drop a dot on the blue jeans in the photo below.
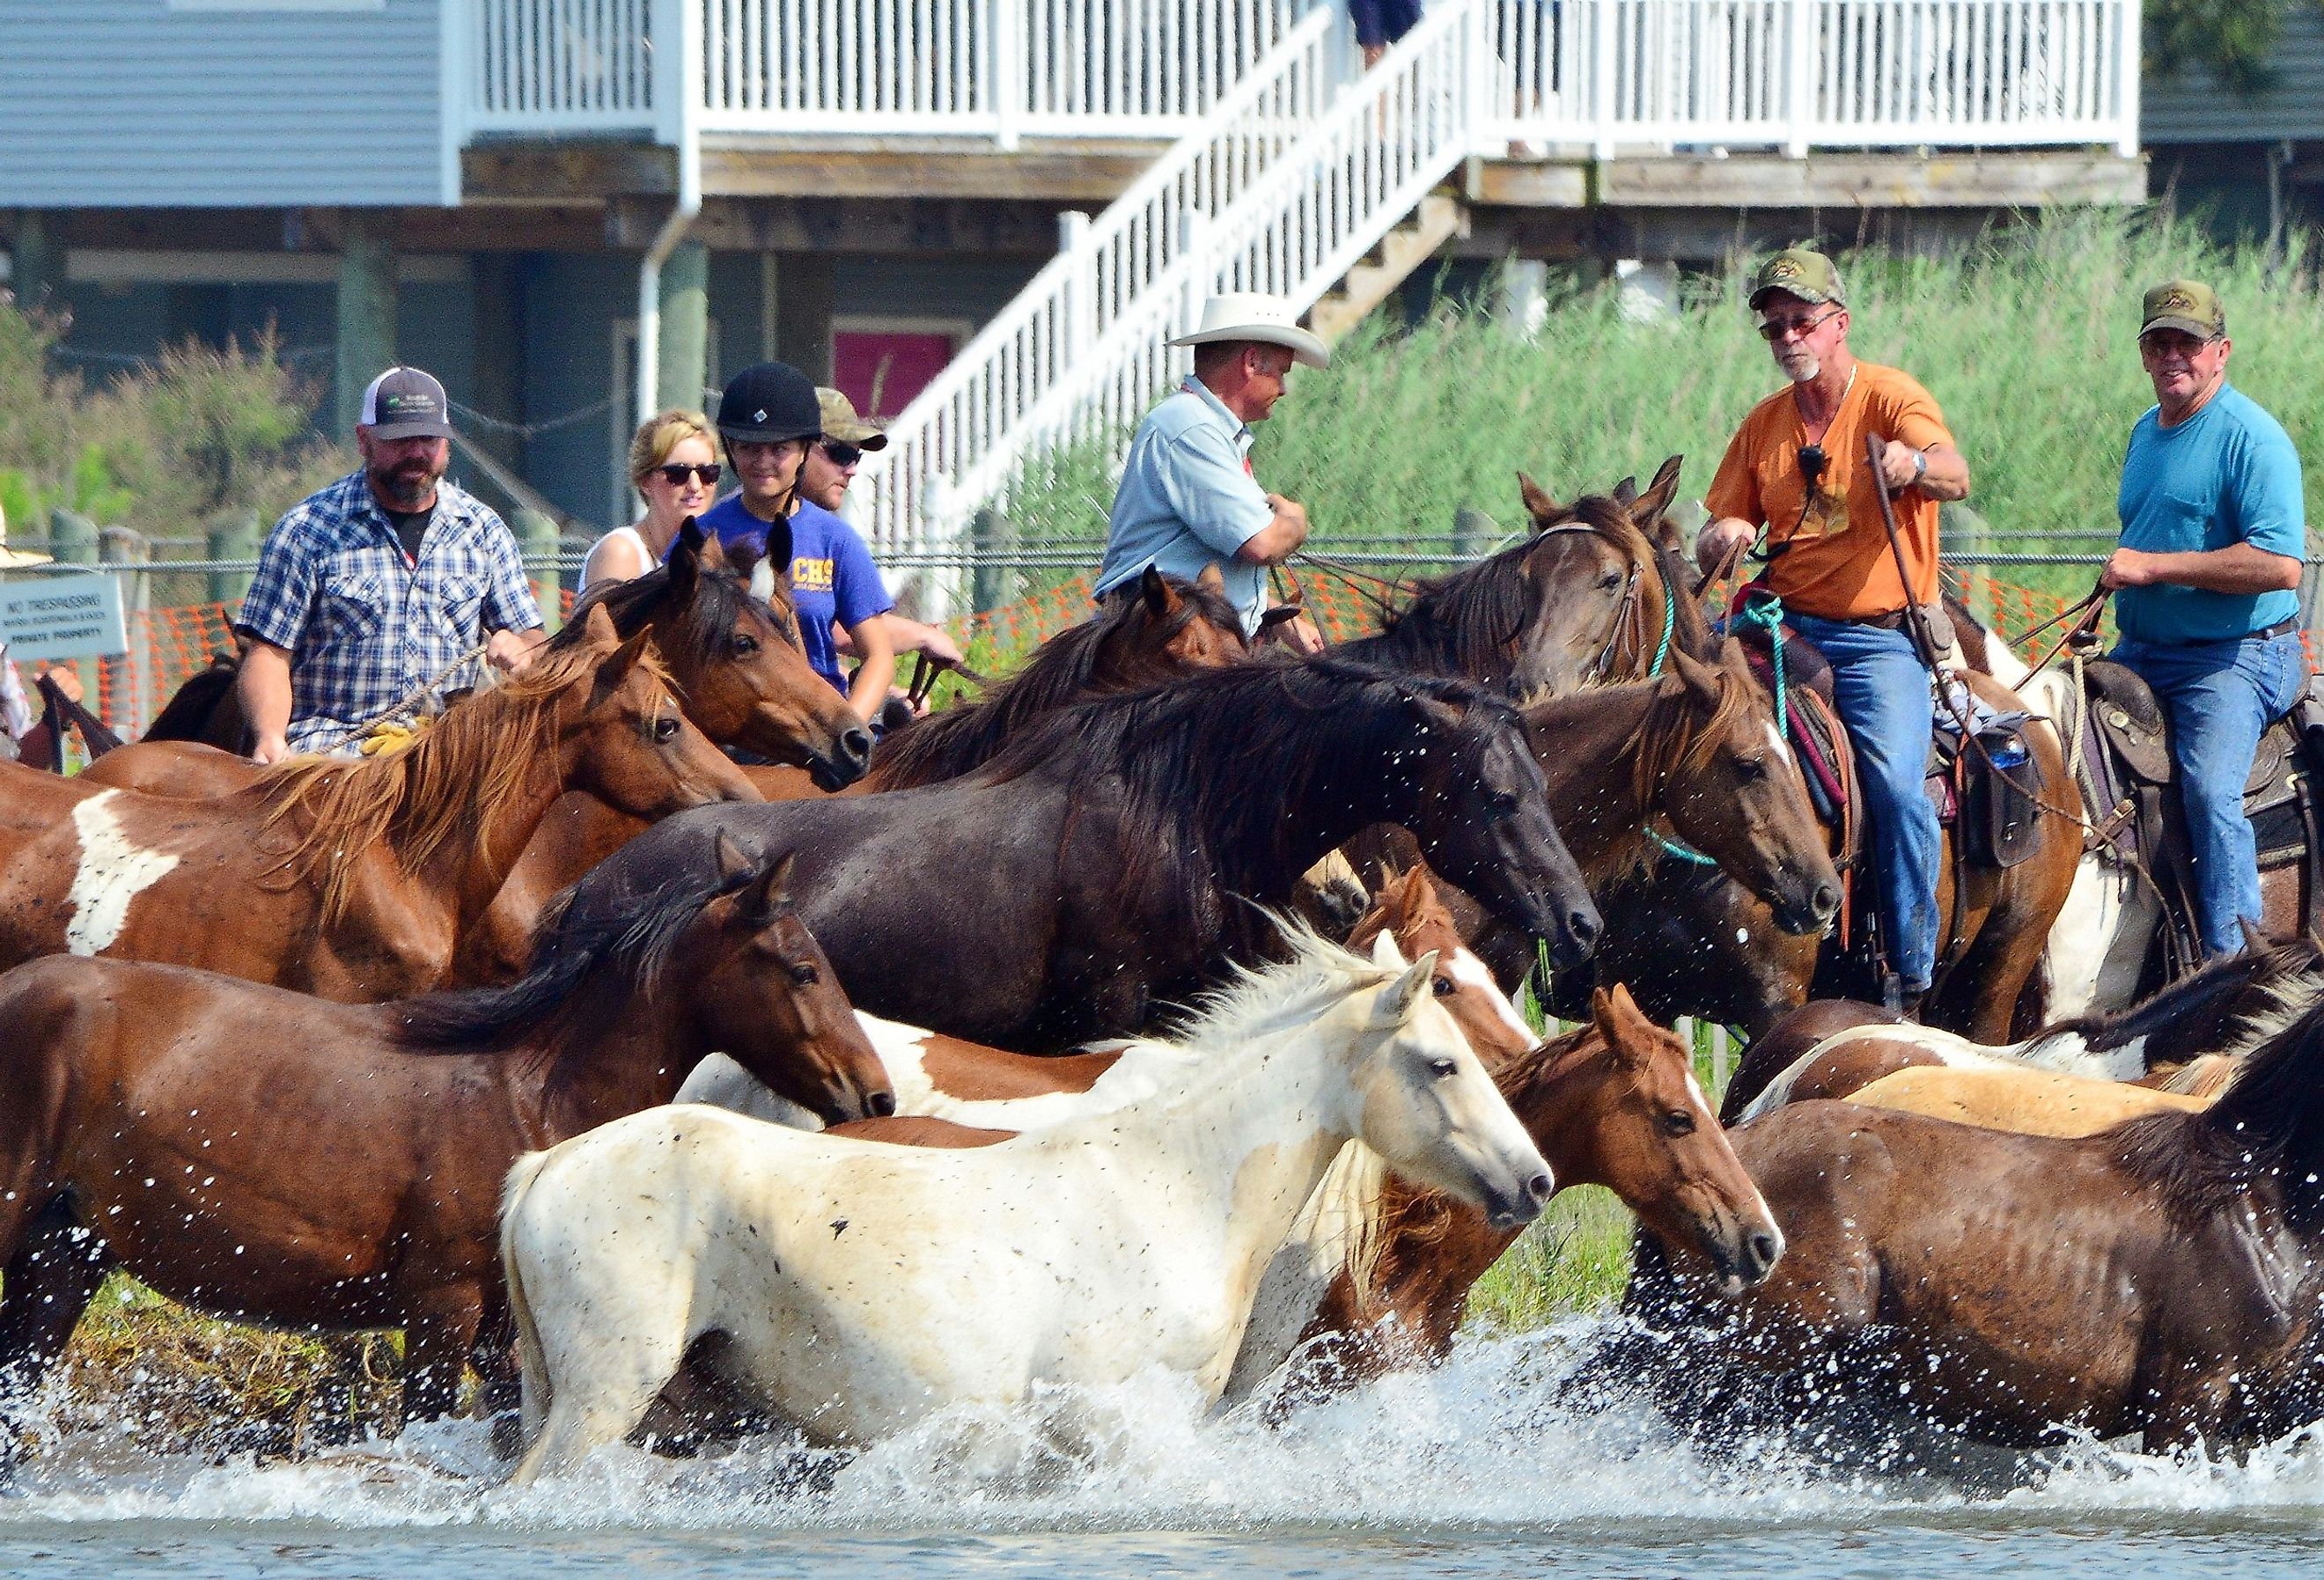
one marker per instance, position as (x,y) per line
(2219,697)
(1883,696)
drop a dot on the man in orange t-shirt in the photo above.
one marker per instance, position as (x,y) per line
(1797,472)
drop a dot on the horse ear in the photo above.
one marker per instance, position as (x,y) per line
(1159,599)
(1537,503)
(1702,679)
(1212,577)
(1433,713)
(1626,492)
(1648,512)
(1401,1000)
(598,627)
(2255,941)
(733,859)
(615,668)
(685,561)
(712,553)
(1617,1018)
(1384,954)
(772,891)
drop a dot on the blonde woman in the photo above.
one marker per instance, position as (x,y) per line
(674,464)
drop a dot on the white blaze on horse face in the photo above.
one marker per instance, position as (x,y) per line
(112,873)
(1775,739)
(1469,972)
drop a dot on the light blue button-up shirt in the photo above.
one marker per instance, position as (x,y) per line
(1187,500)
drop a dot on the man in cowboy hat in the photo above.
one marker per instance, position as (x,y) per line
(1796,472)
(2213,529)
(1187,499)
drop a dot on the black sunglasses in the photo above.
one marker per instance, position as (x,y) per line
(676,475)
(1776,329)
(842,454)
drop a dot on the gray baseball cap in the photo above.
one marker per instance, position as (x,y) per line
(403,403)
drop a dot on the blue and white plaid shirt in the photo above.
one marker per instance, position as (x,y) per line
(365,627)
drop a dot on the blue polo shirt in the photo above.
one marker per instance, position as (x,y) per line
(2227,475)
(831,572)
(1188,500)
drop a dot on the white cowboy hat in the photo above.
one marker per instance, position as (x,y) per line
(1242,315)
(16,558)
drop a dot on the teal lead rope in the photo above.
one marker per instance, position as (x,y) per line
(1768,614)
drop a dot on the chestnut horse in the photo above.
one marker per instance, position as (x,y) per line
(1832,1047)
(2165,1277)
(273,1158)
(736,659)
(353,880)
(1173,627)
(1098,869)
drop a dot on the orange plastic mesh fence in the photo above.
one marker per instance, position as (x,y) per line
(169,645)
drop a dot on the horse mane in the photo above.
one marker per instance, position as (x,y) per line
(448,784)
(1670,738)
(1289,728)
(2289,977)
(2269,1123)
(627,954)
(699,629)
(1063,670)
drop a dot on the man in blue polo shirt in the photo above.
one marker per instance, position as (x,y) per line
(1187,499)
(2213,531)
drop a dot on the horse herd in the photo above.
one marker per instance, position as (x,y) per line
(521,1039)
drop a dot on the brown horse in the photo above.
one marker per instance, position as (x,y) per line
(2165,1277)
(1833,1047)
(270,1157)
(1174,627)
(736,659)
(355,880)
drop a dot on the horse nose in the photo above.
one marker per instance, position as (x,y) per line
(1541,1186)
(854,748)
(882,1103)
(1582,924)
(1766,1247)
(1826,901)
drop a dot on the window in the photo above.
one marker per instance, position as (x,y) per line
(881,364)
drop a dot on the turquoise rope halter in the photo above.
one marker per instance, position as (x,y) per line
(1768,614)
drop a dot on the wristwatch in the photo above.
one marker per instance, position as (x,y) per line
(1920,465)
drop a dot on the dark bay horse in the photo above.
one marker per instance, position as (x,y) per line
(1174,627)
(2165,1277)
(273,1158)
(1099,867)
(355,880)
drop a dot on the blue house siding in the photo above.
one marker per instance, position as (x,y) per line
(2189,108)
(129,104)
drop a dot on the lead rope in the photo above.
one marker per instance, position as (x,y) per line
(1661,651)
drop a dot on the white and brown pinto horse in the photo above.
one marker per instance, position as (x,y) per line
(1082,1255)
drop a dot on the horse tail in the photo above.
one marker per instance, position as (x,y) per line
(531,1361)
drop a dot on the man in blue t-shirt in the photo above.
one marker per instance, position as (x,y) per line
(2213,531)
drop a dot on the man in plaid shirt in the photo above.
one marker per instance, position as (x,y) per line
(374,589)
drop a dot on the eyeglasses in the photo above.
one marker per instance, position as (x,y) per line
(1778,328)
(842,454)
(676,475)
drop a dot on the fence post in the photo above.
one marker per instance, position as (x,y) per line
(1081,291)
(1472,532)
(238,538)
(1967,536)
(1799,95)
(1606,24)
(1191,249)
(992,538)
(132,672)
(537,536)
(1011,85)
(72,539)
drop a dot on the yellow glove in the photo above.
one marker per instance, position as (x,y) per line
(388,737)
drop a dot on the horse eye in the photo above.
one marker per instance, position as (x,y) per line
(1609,581)
(665,729)
(745,644)
(1501,803)
(1752,767)
(1442,986)
(1678,1122)
(1442,1068)
(803,976)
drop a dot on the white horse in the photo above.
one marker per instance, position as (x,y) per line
(859,1287)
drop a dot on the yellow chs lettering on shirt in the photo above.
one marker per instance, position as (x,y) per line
(810,576)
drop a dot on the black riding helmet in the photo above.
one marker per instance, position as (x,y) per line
(768,403)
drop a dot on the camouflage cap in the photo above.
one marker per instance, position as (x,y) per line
(2185,305)
(841,423)
(1800,271)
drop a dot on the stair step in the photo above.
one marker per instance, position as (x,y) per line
(1439,217)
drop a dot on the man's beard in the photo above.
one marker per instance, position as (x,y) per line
(1803,372)
(404,487)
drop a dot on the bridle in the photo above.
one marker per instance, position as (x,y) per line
(1630,619)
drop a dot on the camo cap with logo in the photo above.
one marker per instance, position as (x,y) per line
(2188,306)
(1800,271)
(405,403)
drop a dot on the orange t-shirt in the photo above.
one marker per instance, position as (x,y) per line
(1838,565)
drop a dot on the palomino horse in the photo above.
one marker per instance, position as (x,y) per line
(2030,1103)
(1696,749)
(2164,1278)
(1098,869)
(1833,1047)
(273,1158)
(1077,1256)
(1173,627)
(355,880)
(735,661)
